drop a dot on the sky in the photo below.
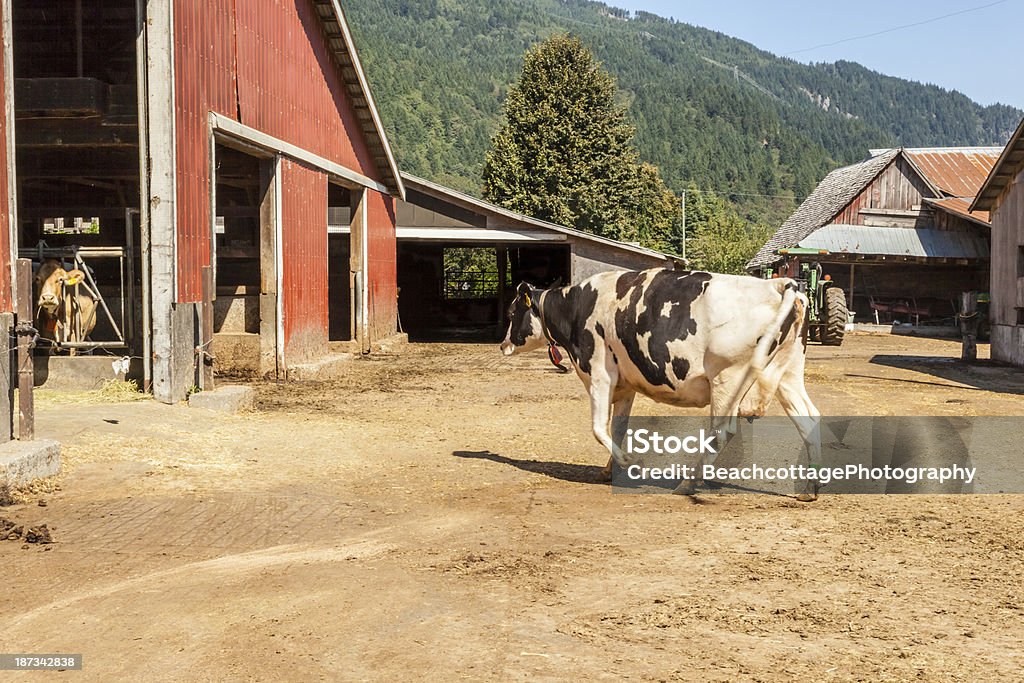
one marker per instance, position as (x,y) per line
(976,52)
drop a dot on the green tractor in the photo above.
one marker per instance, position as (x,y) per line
(828,313)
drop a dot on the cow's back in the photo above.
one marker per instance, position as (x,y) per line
(667,331)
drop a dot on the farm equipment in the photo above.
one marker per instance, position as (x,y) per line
(828,313)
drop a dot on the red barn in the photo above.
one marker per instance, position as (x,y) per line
(189,153)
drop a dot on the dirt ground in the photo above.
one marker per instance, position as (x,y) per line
(434,516)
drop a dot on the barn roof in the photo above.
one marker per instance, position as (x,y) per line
(900,242)
(953,174)
(823,204)
(339,37)
(480,206)
(959,206)
(953,171)
(1005,169)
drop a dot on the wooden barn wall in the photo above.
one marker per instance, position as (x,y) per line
(1007,238)
(6,298)
(382,264)
(896,187)
(268,65)
(304,255)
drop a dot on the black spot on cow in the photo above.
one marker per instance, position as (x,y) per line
(628,281)
(566,312)
(678,289)
(600,330)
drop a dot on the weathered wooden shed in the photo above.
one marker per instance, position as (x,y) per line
(188,151)
(459,258)
(1002,195)
(896,231)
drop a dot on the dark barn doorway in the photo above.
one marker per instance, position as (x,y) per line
(77,158)
(461,292)
(340,320)
(245,307)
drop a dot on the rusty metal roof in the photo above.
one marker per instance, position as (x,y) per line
(1005,170)
(340,39)
(958,206)
(954,171)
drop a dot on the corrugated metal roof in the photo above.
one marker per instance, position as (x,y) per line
(961,207)
(954,171)
(1004,171)
(478,205)
(829,198)
(916,242)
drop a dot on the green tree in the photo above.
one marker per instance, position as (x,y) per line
(566,154)
(719,239)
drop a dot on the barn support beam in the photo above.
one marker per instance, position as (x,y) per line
(359,281)
(160,194)
(12,174)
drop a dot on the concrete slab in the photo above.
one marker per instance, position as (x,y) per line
(229,399)
(21,462)
(72,373)
(329,367)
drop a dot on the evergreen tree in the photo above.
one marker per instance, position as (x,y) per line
(566,154)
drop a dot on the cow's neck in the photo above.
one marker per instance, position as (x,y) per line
(558,324)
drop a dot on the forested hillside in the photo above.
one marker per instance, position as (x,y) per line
(712,112)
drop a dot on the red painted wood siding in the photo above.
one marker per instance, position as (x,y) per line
(268,65)
(304,252)
(382,264)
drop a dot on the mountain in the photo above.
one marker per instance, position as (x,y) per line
(714,113)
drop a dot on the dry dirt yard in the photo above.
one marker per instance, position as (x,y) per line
(434,516)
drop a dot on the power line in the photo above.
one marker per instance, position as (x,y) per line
(897,28)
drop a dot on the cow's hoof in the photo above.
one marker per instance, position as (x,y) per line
(807,497)
(604,476)
(687,487)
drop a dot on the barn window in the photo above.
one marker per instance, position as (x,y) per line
(470,273)
(1020,261)
(1020,316)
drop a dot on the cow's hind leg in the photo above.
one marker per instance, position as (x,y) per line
(798,406)
(621,408)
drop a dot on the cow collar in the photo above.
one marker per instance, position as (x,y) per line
(553,353)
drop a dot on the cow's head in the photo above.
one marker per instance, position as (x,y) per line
(525,331)
(49,278)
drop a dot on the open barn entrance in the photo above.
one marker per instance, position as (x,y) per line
(245,308)
(77,170)
(461,292)
(340,318)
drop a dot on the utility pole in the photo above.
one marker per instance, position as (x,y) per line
(684,224)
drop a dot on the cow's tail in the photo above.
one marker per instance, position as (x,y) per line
(792,303)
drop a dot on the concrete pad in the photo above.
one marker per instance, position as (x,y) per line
(230,399)
(72,373)
(21,462)
(329,367)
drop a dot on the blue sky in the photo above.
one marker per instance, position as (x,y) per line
(978,53)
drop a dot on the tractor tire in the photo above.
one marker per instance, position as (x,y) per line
(836,317)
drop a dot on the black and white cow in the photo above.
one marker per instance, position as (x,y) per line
(688,339)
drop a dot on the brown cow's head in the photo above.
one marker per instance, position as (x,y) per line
(49,278)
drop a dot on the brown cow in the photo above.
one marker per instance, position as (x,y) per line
(66,307)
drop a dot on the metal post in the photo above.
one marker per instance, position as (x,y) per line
(849,301)
(206,333)
(26,340)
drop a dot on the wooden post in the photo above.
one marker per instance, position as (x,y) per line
(849,299)
(206,335)
(502,275)
(969,321)
(26,340)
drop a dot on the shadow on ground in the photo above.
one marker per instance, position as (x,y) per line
(580,474)
(983,374)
